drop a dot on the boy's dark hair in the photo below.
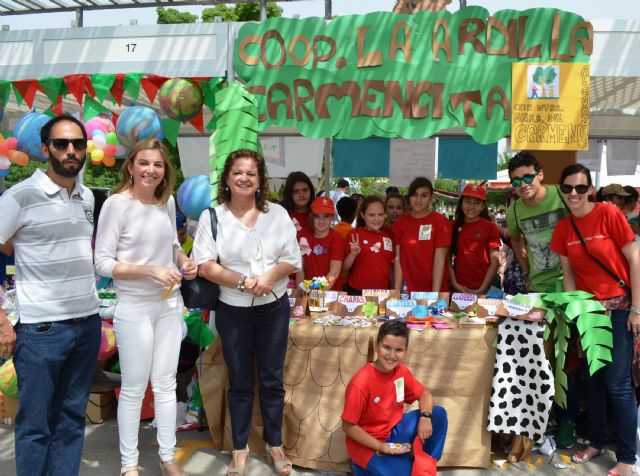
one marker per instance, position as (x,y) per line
(633,195)
(346,207)
(45,131)
(523,159)
(393,328)
(342,183)
(392,189)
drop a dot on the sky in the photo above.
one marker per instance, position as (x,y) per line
(589,9)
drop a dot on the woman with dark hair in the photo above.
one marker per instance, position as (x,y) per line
(423,237)
(137,245)
(254,251)
(599,231)
(298,195)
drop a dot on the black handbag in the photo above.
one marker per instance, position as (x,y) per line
(200,292)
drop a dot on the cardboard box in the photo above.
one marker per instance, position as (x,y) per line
(400,308)
(463,302)
(101,407)
(354,306)
(8,409)
(383,295)
(521,311)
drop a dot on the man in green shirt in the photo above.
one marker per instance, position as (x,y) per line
(531,220)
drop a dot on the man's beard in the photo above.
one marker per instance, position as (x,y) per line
(61,170)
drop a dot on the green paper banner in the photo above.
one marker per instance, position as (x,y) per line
(171,128)
(132,84)
(102,84)
(53,87)
(5,92)
(92,108)
(399,75)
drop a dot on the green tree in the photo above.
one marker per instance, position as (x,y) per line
(241,12)
(171,15)
(544,76)
(223,11)
(18,174)
(101,176)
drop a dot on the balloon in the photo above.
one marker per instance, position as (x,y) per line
(90,146)
(99,141)
(109,149)
(107,342)
(180,99)
(112,138)
(5,163)
(97,155)
(11,142)
(194,195)
(96,162)
(18,158)
(109,160)
(4,150)
(100,124)
(27,132)
(4,173)
(8,379)
(137,123)
(121,151)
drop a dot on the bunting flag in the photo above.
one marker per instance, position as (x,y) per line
(53,87)
(78,84)
(102,84)
(5,92)
(171,128)
(92,108)
(57,108)
(117,89)
(198,121)
(151,84)
(27,89)
(132,84)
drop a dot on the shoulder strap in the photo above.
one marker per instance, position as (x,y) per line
(619,281)
(214,223)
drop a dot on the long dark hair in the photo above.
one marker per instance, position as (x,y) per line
(292,179)
(364,204)
(459,221)
(224,194)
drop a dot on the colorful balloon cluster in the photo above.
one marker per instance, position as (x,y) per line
(103,147)
(9,154)
(8,379)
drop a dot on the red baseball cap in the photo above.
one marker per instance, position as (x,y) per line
(475,191)
(323,205)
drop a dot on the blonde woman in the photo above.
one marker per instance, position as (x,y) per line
(137,245)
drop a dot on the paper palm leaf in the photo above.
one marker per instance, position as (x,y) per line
(236,122)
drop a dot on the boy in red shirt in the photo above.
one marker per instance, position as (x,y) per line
(380,437)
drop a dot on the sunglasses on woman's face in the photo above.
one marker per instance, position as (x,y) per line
(580,189)
(63,144)
(526,178)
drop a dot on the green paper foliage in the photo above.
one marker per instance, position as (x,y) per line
(302,59)
(197,330)
(236,115)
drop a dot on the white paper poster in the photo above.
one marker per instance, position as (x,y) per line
(622,156)
(410,159)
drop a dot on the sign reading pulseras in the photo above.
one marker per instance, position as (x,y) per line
(398,75)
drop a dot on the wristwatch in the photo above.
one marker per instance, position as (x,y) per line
(426,415)
(241,281)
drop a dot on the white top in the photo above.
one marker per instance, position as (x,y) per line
(51,235)
(132,232)
(250,251)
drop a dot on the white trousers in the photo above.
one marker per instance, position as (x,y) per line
(148,334)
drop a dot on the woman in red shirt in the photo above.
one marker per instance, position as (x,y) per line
(474,245)
(608,238)
(423,237)
(368,250)
(323,248)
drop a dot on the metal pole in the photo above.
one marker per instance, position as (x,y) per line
(79,22)
(263,10)
(463,3)
(327,141)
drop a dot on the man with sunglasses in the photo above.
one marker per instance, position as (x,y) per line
(531,220)
(49,218)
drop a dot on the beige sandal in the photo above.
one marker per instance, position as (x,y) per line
(239,470)
(130,469)
(279,465)
(171,468)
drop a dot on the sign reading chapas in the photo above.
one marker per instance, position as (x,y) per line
(399,75)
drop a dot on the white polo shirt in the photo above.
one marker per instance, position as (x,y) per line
(51,236)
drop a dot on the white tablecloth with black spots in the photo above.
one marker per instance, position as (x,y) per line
(523,386)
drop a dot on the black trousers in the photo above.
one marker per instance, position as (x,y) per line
(250,337)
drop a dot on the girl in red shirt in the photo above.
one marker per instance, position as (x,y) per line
(323,248)
(608,238)
(368,250)
(298,195)
(423,237)
(475,243)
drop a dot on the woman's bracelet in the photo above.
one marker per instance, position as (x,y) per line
(241,281)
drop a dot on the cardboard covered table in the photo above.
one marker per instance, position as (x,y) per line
(456,366)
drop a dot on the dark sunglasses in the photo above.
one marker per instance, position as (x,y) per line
(63,144)
(580,189)
(526,178)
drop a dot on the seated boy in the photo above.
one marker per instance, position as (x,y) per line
(380,437)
